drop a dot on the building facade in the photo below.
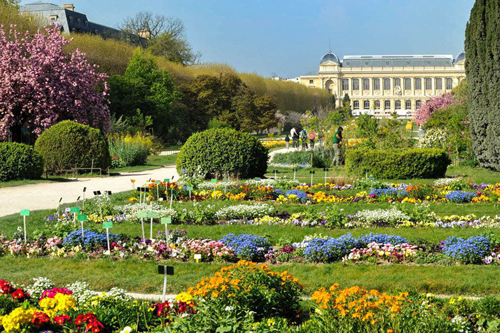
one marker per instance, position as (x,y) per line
(382,85)
(71,21)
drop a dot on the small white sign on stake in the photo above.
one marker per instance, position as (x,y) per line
(24,213)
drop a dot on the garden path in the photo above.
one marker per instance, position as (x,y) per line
(47,195)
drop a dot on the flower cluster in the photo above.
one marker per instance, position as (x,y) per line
(247,247)
(89,239)
(460,196)
(244,211)
(385,252)
(467,250)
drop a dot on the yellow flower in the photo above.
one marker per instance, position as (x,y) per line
(184,297)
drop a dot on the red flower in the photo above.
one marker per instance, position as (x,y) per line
(62,319)
(115,157)
(79,320)
(19,294)
(40,319)
(5,287)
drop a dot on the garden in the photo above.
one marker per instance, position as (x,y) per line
(261,249)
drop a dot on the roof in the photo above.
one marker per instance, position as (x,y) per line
(397,61)
(39,6)
(329,57)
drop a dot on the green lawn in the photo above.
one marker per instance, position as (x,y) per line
(141,276)
(20,182)
(153,162)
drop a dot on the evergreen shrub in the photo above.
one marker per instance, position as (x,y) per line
(19,161)
(69,145)
(398,163)
(221,152)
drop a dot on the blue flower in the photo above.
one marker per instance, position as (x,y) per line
(247,247)
(460,196)
(467,250)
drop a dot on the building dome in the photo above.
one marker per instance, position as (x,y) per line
(460,57)
(329,57)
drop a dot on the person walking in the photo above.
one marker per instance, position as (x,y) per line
(337,141)
(312,137)
(295,137)
(303,138)
(287,140)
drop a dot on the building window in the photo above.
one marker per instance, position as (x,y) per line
(86,23)
(78,21)
(311,81)
(53,18)
(366,84)
(70,19)
(387,84)
(366,105)
(428,83)
(387,105)
(397,82)
(376,84)
(418,104)
(355,84)
(449,83)
(377,104)
(418,83)
(439,83)
(345,84)
(355,105)
(398,105)
(407,83)
(408,105)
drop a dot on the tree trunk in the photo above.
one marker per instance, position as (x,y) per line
(17,134)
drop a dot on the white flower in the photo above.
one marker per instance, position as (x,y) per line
(229,308)
(126,330)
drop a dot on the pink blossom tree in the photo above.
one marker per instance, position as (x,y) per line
(427,109)
(41,85)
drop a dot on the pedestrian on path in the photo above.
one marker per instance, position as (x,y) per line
(337,141)
(312,137)
(287,140)
(295,137)
(303,139)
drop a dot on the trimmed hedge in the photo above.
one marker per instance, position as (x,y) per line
(221,151)
(398,163)
(19,161)
(69,145)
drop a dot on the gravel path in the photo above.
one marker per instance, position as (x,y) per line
(47,195)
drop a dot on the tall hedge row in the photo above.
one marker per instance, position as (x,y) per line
(222,151)
(398,163)
(482,66)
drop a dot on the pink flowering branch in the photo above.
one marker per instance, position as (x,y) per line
(427,109)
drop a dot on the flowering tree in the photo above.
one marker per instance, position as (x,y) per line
(41,85)
(439,102)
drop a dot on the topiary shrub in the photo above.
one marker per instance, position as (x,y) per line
(222,151)
(398,163)
(69,145)
(19,161)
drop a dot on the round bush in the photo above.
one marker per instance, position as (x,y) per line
(19,161)
(222,151)
(69,145)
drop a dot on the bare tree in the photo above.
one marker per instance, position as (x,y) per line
(166,36)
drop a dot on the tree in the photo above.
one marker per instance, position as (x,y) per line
(426,110)
(146,88)
(482,47)
(41,85)
(166,36)
(346,100)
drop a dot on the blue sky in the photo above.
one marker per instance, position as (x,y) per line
(288,38)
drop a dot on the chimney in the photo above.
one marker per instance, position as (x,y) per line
(69,6)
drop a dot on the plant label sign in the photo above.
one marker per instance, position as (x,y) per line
(152,214)
(74,210)
(197,257)
(166,180)
(107,225)
(167,270)
(157,181)
(257,179)
(82,218)
(166,220)
(214,181)
(142,215)
(25,212)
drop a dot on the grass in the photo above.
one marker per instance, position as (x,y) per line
(335,174)
(141,276)
(20,182)
(153,162)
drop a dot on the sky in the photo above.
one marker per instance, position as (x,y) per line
(288,37)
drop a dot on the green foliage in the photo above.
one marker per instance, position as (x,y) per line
(129,150)
(398,163)
(146,88)
(219,152)
(19,161)
(482,47)
(69,145)
(300,158)
(215,123)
